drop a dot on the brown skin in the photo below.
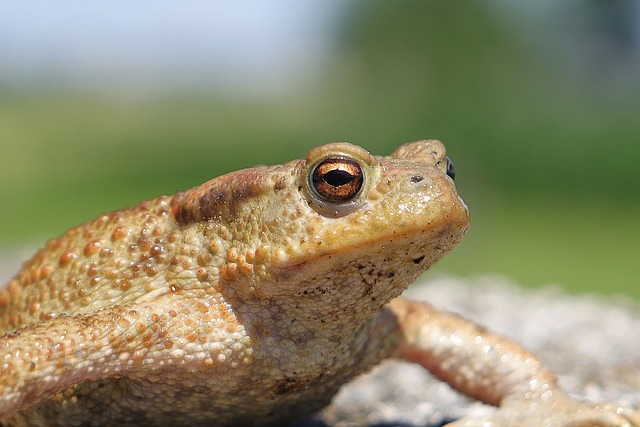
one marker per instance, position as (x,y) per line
(251,298)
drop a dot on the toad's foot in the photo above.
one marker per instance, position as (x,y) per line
(494,370)
(557,410)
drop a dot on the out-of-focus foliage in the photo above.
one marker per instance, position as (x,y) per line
(526,121)
(547,152)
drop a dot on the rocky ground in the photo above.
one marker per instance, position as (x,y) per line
(590,342)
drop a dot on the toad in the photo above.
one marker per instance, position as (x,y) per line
(250,299)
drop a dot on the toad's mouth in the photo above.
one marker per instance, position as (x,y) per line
(386,239)
(395,254)
(375,272)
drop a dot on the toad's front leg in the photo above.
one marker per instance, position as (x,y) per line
(494,370)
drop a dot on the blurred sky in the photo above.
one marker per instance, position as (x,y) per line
(258,46)
(246,46)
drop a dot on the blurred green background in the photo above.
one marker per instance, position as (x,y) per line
(539,107)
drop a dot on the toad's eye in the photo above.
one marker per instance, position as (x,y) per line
(451,170)
(337,180)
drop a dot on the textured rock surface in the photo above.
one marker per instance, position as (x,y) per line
(590,342)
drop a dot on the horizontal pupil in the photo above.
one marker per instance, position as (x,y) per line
(337,177)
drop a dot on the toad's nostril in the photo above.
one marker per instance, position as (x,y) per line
(416,178)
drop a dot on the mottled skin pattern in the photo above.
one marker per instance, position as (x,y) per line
(251,298)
